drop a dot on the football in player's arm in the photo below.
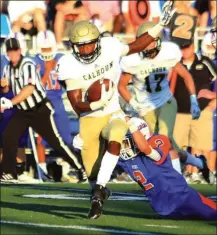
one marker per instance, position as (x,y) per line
(95,58)
(75,95)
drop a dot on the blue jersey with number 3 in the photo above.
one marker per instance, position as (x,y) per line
(166,189)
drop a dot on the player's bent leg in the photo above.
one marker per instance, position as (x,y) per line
(193,205)
(91,140)
(115,131)
(199,206)
(167,118)
(208,208)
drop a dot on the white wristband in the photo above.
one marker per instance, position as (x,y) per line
(96,105)
(155,31)
(154,155)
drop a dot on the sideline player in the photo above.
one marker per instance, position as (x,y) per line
(94,59)
(153,99)
(145,157)
(46,61)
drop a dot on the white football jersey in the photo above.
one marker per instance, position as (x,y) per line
(150,76)
(107,65)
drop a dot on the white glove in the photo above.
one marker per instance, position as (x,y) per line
(135,105)
(78,142)
(141,109)
(133,125)
(105,97)
(5,104)
(167,13)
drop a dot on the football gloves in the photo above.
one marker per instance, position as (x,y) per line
(195,109)
(5,104)
(141,109)
(167,13)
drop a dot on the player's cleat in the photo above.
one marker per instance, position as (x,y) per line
(82,176)
(212,177)
(96,208)
(8,178)
(99,193)
(205,171)
(187,177)
(197,178)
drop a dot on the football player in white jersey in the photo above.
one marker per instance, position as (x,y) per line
(153,99)
(94,59)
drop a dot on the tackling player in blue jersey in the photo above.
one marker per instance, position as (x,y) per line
(146,159)
(168,193)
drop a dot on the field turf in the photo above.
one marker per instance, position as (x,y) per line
(62,209)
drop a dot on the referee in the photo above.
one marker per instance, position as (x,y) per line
(34,110)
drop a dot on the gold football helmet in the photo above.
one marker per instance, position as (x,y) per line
(143,28)
(82,33)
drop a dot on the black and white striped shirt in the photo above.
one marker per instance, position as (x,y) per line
(23,74)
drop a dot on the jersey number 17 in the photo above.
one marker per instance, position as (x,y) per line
(159,77)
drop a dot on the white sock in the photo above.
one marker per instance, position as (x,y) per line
(192,160)
(108,164)
(43,166)
(176,165)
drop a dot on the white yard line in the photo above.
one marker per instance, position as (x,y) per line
(161,226)
(76,227)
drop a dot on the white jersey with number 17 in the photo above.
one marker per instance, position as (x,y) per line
(150,76)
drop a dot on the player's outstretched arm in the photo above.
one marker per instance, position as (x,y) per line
(141,141)
(145,39)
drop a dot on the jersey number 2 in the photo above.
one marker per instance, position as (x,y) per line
(157,77)
(142,180)
(184,25)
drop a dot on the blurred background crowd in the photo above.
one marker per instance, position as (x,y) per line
(118,18)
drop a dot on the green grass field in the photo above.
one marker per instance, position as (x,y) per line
(62,209)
